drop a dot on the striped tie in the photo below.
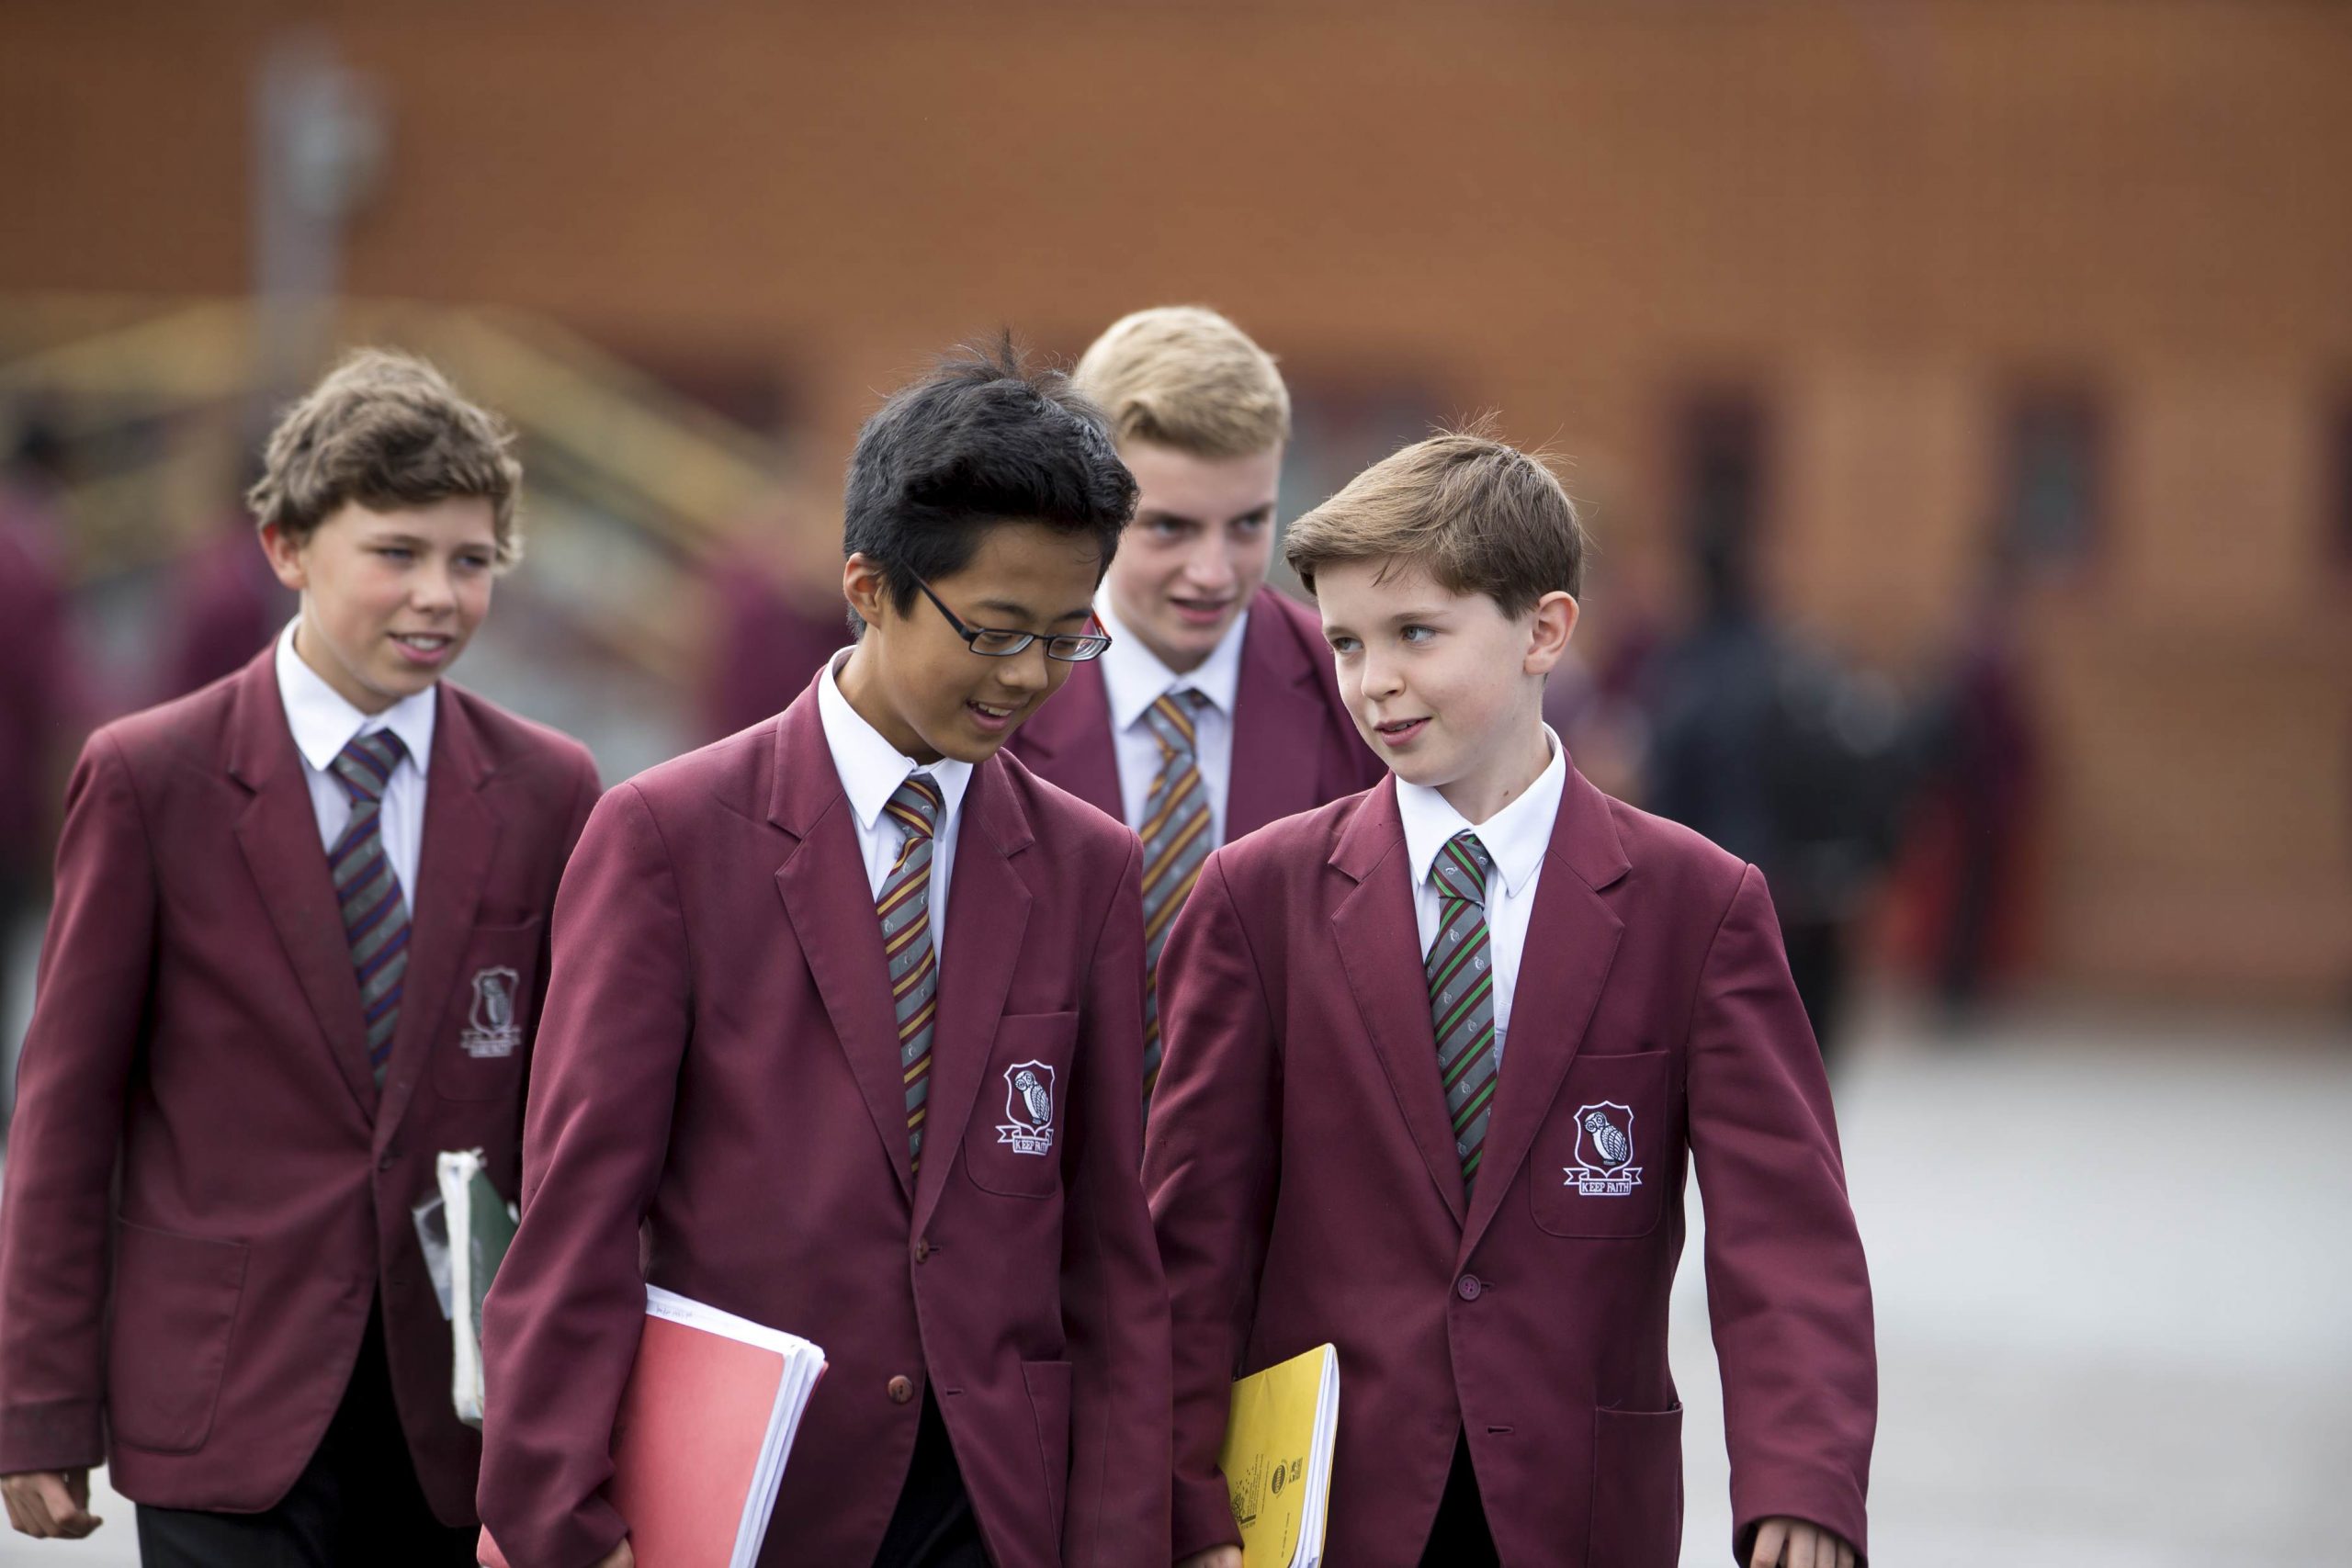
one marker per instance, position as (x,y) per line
(1462,995)
(905,908)
(1176,839)
(375,911)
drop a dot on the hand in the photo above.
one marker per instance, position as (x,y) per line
(51,1503)
(1215,1557)
(1783,1542)
(618,1557)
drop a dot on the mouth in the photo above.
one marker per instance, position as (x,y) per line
(1200,611)
(428,649)
(1399,732)
(994,718)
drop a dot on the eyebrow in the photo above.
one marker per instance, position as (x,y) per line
(1161,514)
(1022,612)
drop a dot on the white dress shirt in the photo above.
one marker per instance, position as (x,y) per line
(872,770)
(323,723)
(1515,839)
(1134,678)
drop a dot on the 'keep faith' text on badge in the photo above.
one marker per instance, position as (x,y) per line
(1604,1166)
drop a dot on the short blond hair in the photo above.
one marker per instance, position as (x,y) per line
(387,430)
(1478,516)
(1183,376)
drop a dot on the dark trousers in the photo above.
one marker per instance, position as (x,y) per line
(355,1504)
(933,1526)
(1459,1538)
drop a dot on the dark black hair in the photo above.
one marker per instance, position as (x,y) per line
(981,441)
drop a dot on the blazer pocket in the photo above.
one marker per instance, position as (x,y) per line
(1636,1489)
(1012,1145)
(1605,1156)
(479,1047)
(176,1299)
(1049,1399)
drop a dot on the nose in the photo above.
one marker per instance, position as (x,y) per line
(1209,568)
(1027,670)
(430,591)
(1381,677)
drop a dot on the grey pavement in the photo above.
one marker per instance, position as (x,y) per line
(2113,1253)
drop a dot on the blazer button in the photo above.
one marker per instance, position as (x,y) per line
(386,1162)
(1468,1286)
(901,1391)
(922,1248)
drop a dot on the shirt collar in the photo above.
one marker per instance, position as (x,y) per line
(871,768)
(1515,838)
(1134,678)
(323,722)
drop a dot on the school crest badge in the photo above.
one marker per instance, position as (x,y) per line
(1604,1166)
(491,1029)
(1028,1109)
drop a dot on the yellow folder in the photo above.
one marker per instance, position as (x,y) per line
(1277,1459)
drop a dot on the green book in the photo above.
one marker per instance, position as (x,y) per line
(481,1225)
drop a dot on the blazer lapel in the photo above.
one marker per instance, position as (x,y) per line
(1277,730)
(822,882)
(1068,742)
(461,838)
(987,915)
(1572,939)
(1379,944)
(278,833)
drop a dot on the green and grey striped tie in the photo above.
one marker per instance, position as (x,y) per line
(1461,973)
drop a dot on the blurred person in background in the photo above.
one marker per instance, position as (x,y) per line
(1772,750)
(1216,710)
(298,948)
(225,603)
(772,624)
(40,696)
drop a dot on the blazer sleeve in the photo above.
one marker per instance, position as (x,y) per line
(562,1321)
(1786,1282)
(587,790)
(1114,1301)
(1211,1162)
(55,1228)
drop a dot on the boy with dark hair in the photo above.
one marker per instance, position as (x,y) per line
(1437,1054)
(284,903)
(1215,712)
(848,1025)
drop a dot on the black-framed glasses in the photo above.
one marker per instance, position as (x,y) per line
(995,642)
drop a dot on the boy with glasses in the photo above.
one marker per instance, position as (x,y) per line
(847,1029)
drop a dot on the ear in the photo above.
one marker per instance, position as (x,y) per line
(865,588)
(1554,623)
(286,557)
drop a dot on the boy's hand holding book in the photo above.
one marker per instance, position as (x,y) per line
(1215,1557)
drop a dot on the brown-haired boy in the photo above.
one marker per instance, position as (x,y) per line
(1437,1055)
(1215,712)
(298,948)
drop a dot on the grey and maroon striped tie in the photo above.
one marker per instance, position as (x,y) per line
(375,909)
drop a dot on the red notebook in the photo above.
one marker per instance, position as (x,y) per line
(704,1427)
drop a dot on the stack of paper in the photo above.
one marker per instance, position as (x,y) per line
(1277,1459)
(704,1430)
(479,1224)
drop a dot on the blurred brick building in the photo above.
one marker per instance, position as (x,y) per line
(1886,280)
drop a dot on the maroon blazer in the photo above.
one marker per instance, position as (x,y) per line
(1293,745)
(718,1084)
(197,1014)
(1305,1187)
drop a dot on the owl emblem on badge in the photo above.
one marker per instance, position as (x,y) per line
(1604,1152)
(1028,1109)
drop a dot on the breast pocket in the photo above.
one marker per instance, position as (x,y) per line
(1012,1145)
(1607,1154)
(478,1046)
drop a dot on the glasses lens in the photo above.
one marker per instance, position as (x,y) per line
(1078,649)
(997,644)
